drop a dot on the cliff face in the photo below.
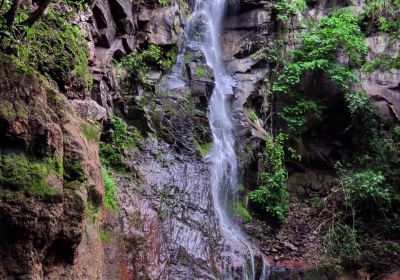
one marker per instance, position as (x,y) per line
(54,221)
(49,174)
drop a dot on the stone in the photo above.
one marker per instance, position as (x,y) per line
(89,109)
(162,26)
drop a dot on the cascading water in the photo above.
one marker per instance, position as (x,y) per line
(203,33)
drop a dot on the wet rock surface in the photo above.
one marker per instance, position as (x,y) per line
(168,223)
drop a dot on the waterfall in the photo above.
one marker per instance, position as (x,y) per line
(238,252)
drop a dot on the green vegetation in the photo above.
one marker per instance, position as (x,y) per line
(339,31)
(296,115)
(240,209)
(203,148)
(112,155)
(92,212)
(165,2)
(271,195)
(200,71)
(341,244)
(288,8)
(137,65)
(252,115)
(91,132)
(117,140)
(110,196)
(53,46)
(104,235)
(29,175)
(384,14)
(370,186)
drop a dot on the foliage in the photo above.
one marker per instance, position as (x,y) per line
(369,184)
(110,187)
(119,139)
(252,115)
(272,194)
(54,47)
(396,133)
(203,148)
(384,14)
(289,8)
(319,50)
(366,187)
(336,33)
(137,65)
(295,115)
(383,62)
(20,173)
(240,209)
(165,2)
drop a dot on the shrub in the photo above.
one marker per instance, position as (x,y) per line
(319,51)
(341,244)
(272,194)
(92,211)
(366,187)
(203,148)
(295,115)
(396,133)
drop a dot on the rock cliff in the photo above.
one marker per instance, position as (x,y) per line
(56,155)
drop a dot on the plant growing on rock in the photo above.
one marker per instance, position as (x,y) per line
(116,140)
(288,8)
(272,195)
(54,47)
(28,175)
(339,31)
(137,65)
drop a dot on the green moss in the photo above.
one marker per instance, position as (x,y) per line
(91,132)
(252,115)
(188,57)
(203,148)
(92,212)
(11,111)
(7,110)
(104,236)
(19,173)
(200,71)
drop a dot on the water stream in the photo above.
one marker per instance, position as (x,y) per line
(238,257)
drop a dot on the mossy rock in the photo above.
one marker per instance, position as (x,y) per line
(31,176)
